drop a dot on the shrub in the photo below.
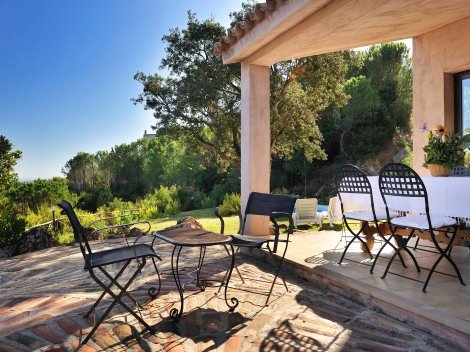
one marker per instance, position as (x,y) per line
(281,190)
(230,205)
(11,227)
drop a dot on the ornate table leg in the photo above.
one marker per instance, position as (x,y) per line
(154,291)
(175,314)
(234,301)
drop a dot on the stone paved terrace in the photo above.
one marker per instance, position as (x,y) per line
(43,297)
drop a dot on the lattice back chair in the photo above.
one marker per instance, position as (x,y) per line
(349,179)
(460,171)
(399,180)
(97,260)
(274,206)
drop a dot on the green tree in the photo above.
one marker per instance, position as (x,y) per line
(11,226)
(388,67)
(365,123)
(200,98)
(8,160)
(81,172)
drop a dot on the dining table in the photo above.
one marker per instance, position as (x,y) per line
(447,196)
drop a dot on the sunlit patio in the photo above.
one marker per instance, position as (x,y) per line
(45,294)
(443,310)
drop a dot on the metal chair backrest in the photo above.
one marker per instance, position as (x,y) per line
(78,230)
(460,171)
(400,180)
(265,204)
(351,179)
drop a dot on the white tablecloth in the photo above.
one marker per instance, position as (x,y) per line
(449,196)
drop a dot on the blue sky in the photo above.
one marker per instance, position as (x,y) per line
(67,67)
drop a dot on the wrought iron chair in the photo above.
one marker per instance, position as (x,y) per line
(96,261)
(460,171)
(276,207)
(350,179)
(399,180)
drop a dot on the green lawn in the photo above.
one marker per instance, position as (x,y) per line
(205,216)
(209,221)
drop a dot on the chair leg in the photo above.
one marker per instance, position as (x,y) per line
(444,254)
(402,243)
(92,308)
(117,298)
(114,281)
(277,273)
(356,236)
(416,244)
(236,268)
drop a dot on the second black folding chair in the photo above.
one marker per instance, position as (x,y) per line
(399,180)
(276,207)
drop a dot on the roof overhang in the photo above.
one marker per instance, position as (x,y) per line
(300,28)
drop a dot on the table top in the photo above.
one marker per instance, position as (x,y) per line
(192,237)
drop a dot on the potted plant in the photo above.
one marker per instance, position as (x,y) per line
(444,151)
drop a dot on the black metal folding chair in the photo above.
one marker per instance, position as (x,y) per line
(276,207)
(98,260)
(399,180)
(352,180)
(460,171)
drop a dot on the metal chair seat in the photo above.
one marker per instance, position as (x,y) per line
(116,255)
(249,241)
(369,216)
(421,221)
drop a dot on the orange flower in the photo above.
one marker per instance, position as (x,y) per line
(441,129)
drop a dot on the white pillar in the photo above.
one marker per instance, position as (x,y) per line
(255,139)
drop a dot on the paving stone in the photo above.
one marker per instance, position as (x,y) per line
(8,348)
(69,326)
(305,318)
(56,348)
(103,337)
(47,334)
(27,341)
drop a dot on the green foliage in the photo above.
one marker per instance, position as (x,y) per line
(210,117)
(11,226)
(8,159)
(405,141)
(230,183)
(31,196)
(230,205)
(443,148)
(366,124)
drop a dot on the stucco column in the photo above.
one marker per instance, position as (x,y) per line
(255,139)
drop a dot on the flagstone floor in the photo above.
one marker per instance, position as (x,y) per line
(43,297)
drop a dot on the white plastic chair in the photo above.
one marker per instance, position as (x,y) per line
(306,212)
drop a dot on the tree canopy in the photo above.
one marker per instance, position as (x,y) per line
(200,97)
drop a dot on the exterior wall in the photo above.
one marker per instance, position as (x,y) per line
(437,55)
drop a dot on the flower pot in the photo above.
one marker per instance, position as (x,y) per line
(438,170)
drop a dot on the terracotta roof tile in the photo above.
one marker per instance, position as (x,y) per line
(243,27)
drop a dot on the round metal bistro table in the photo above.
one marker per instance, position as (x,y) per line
(188,237)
